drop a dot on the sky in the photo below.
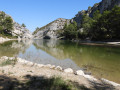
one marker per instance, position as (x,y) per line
(37,13)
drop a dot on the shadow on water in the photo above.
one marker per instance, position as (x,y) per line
(43,83)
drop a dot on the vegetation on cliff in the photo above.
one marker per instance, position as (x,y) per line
(6,24)
(103,26)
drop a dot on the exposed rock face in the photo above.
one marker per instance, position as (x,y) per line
(102,6)
(51,30)
(21,31)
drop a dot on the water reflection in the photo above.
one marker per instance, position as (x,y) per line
(13,48)
(101,61)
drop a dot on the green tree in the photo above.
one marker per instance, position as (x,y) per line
(23,25)
(8,23)
(70,31)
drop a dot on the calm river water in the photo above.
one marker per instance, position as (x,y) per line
(101,61)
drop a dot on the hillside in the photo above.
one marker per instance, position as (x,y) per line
(10,28)
(102,6)
(84,19)
(50,30)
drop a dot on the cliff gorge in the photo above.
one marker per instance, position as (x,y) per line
(50,30)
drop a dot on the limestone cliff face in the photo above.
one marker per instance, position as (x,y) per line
(102,6)
(21,32)
(50,30)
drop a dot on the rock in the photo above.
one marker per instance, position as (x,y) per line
(40,65)
(21,32)
(58,68)
(50,30)
(48,65)
(89,77)
(110,82)
(11,58)
(101,6)
(30,63)
(4,58)
(52,66)
(68,70)
(79,72)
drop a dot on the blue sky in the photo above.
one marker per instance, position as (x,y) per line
(37,13)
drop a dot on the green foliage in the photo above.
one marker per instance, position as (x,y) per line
(23,25)
(70,31)
(107,25)
(6,24)
(86,26)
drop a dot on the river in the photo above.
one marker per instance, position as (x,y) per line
(101,61)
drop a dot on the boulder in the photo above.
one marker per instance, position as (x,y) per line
(48,65)
(58,68)
(68,70)
(40,65)
(79,72)
(52,66)
(4,58)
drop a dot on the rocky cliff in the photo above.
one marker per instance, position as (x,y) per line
(18,30)
(51,29)
(102,6)
(21,32)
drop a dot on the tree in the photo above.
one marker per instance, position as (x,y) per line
(70,31)
(8,24)
(86,25)
(23,25)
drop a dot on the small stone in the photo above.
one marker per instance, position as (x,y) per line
(48,65)
(59,68)
(52,67)
(89,77)
(11,58)
(30,63)
(4,58)
(68,70)
(40,65)
(79,72)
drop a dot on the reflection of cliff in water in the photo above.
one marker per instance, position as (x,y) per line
(41,54)
(94,58)
(13,48)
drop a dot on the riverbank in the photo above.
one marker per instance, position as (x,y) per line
(19,68)
(99,43)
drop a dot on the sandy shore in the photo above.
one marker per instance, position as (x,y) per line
(22,68)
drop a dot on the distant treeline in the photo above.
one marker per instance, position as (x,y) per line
(105,26)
